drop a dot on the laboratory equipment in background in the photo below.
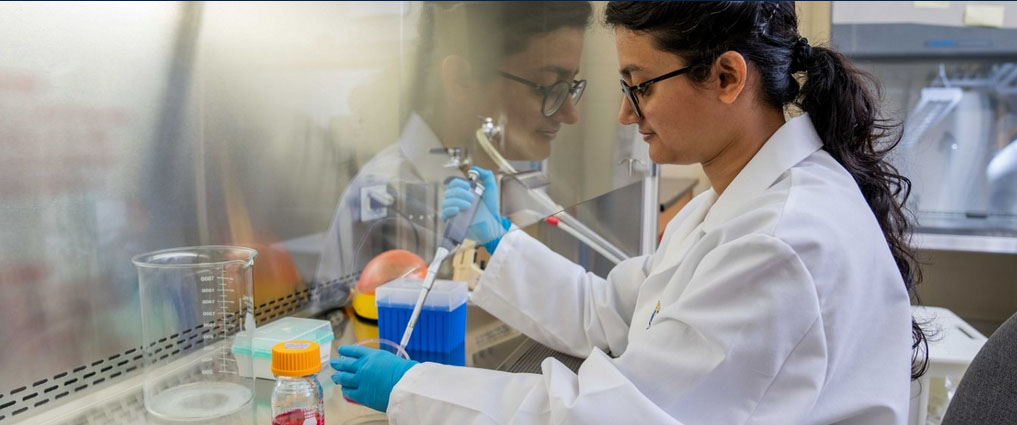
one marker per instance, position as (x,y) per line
(525,201)
(469,262)
(297,398)
(950,353)
(441,328)
(951,77)
(948,71)
(195,303)
(385,267)
(254,354)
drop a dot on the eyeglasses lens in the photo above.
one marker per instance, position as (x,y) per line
(557,94)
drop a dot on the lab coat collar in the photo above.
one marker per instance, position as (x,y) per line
(790,144)
(416,142)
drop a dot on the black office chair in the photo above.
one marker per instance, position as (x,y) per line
(987,394)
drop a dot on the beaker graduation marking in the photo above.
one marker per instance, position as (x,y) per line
(225,319)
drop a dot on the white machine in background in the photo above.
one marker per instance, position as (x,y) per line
(951,350)
(952,78)
(954,85)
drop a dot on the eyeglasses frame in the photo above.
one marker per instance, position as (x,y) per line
(630,92)
(575,90)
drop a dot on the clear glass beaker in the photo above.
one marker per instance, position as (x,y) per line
(195,303)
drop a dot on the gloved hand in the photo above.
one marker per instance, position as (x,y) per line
(488,226)
(367,375)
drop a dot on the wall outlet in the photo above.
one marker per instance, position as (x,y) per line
(374,202)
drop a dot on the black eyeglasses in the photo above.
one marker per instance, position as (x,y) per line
(554,95)
(639,89)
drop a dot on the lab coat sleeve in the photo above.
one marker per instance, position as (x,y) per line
(745,331)
(433,393)
(557,302)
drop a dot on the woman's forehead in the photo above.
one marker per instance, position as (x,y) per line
(558,52)
(638,53)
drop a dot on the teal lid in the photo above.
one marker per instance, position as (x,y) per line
(285,329)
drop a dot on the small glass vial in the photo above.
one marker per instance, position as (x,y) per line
(297,397)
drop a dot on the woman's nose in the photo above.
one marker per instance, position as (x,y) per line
(568,113)
(627,114)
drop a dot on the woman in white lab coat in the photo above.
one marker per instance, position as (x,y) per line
(780,296)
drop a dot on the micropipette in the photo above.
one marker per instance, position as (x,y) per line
(455,232)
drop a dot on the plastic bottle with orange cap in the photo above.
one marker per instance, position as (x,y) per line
(297,398)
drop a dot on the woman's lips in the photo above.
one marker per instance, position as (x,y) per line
(550,134)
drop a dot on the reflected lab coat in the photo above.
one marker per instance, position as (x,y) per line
(777,302)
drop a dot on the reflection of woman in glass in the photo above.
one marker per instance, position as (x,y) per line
(515,62)
(523,72)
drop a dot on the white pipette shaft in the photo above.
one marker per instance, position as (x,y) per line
(432,271)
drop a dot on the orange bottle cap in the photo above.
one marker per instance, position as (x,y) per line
(296,358)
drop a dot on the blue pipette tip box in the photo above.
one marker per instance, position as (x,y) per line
(440,333)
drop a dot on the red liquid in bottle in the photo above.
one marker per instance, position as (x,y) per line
(299,417)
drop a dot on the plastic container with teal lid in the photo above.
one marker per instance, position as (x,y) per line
(285,329)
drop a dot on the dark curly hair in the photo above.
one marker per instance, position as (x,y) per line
(842,101)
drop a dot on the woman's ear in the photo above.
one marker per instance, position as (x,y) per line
(731,72)
(456,79)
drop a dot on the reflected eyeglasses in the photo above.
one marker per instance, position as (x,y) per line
(555,94)
(631,92)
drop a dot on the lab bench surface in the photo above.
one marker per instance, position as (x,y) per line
(490,344)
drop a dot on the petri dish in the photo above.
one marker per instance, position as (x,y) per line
(384,344)
(200,401)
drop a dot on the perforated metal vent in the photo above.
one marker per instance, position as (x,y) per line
(528,357)
(51,390)
(22,401)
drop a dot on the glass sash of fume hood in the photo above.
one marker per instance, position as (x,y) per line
(958,147)
(283,127)
(952,84)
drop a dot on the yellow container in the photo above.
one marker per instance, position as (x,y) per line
(364,306)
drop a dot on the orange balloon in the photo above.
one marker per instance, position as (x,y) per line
(388,266)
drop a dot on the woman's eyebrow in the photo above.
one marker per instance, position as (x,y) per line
(562,72)
(629,69)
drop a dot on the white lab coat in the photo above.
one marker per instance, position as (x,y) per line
(779,303)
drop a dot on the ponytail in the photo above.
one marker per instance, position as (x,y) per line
(840,102)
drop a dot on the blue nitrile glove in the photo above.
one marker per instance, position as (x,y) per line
(488,227)
(368,375)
